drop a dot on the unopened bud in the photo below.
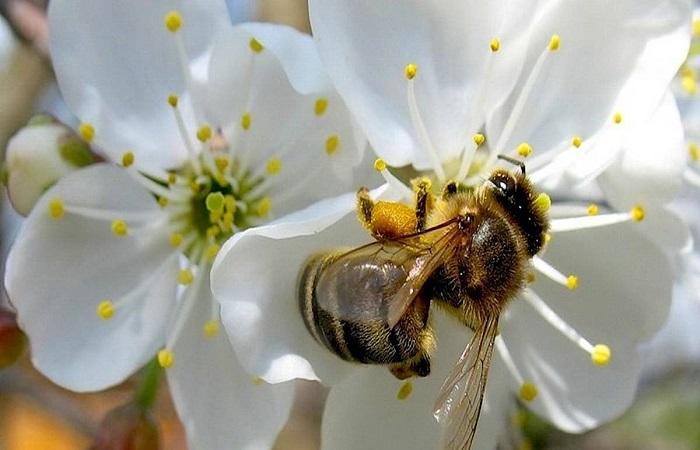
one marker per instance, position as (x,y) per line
(127,427)
(37,156)
(12,339)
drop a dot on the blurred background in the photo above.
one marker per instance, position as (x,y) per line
(34,414)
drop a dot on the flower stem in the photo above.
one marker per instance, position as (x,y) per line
(148,385)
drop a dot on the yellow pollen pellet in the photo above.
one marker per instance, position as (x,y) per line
(211,328)
(56,209)
(173,21)
(572,282)
(264,206)
(554,42)
(410,71)
(600,355)
(87,131)
(274,165)
(204,133)
(128,159)
(543,202)
(617,118)
(176,239)
(221,163)
(185,277)
(576,141)
(332,144)
(528,392)
(637,213)
(479,139)
(593,209)
(166,358)
(256,45)
(694,152)
(246,121)
(379,165)
(405,391)
(119,228)
(690,86)
(320,106)
(531,277)
(696,28)
(105,310)
(163,201)
(173,100)
(524,150)
(495,44)
(212,251)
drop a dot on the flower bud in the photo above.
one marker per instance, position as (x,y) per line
(37,156)
(127,427)
(12,339)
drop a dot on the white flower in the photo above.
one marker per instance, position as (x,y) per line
(446,87)
(112,265)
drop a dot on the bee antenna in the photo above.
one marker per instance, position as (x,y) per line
(514,162)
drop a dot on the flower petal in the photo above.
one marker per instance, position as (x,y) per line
(367,44)
(229,409)
(59,271)
(116,64)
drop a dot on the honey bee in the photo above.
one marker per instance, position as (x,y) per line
(466,251)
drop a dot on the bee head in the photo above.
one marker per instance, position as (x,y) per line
(516,194)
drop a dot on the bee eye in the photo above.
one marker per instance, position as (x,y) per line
(505,183)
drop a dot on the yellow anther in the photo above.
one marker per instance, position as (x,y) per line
(264,206)
(87,131)
(410,71)
(531,277)
(256,45)
(172,178)
(495,45)
(221,163)
(524,149)
(173,21)
(528,392)
(379,165)
(694,152)
(696,28)
(554,42)
(185,277)
(637,213)
(246,121)
(227,222)
(519,419)
(194,186)
(211,328)
(204,133)
(230,203)
(105,310)
(593,209)
(214,202)
(572,282)
(479,139)
(274,165)
(332,144)
(320,106)
(576,141)
(258,381)
(543,202)
(617,118)
(687,71)
(600,355)
(176,239)
(405,391)
(119,228)
(212,251)
(56,209)
(163,201)
(689,85)
(213,231)
(128,159)
(166,358)
(173,100)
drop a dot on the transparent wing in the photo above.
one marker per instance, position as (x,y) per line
(379,281)
(459,403)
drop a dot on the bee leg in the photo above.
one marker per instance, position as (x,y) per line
(365,205)
(419,365)
(424,201)
(449,190)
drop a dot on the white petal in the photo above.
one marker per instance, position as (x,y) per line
(367,44)
(116,64)
(623,297)
(607,57)
(367,401)
(60,270)
(218,402)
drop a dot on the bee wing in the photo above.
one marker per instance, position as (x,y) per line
(379,281)
(458,406)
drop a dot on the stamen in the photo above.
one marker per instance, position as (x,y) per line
(204,133)
(105,309)
(593,209)
(171,194)
(128,159)
(212,251)
(601,355)
(576,141)
(182,128)
(478,140)
(594,220)
(332,144)
(524,150)
(617,118)
(419,125)
(320,106)
(554,42)
(381,167)
(119,228)
(694,152)
(166,358)
(211,328)
(173,21)
(527,391)
(274,166)
(405,391)
(690,86)
(246,121)
(264,206)
(570,281)
(495,45)
(185,277)
(56,208)
(188,302)
(256,46)
(86,131)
